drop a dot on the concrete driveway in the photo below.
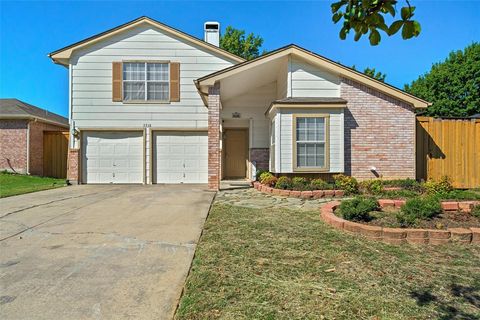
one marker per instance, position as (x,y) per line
(98,252)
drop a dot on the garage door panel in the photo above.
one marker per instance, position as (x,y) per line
(180,157)
(113,157)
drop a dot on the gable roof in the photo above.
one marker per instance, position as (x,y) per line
(16,109)
(317,59)
(61,56)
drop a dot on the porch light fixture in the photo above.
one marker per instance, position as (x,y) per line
(236,115)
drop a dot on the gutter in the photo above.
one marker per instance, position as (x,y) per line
(32,118)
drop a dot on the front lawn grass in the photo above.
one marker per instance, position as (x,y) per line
(15,184)
(285,264)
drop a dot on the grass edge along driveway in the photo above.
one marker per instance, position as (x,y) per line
(286,264)
(14,184)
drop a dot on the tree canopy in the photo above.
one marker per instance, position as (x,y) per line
(364,16)
(453,86)
(235,41)
(371,72)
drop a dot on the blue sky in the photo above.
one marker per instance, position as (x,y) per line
(30,30)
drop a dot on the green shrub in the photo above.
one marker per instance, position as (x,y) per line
(268,179)
(358,208)
(460,195)
(300,184)
(476,211)
(319,184)
(407,184)
(399,194)
(259,173)
(440,187)
(284,183)
(371,186)
(346,183)
(418,209)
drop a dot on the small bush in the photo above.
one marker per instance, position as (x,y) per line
(268,179)
(319,184)
(460,195)
(476,211)
(259,173)
(407,184)
(346,183)
(399,194)
(300,184)
(418,209)
(440,187)
(371,186)
(284,183)
(358,209)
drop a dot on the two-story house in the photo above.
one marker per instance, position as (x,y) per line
(151,104)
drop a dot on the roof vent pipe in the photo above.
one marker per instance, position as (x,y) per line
(212,32)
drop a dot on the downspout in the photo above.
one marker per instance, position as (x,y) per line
(70,111)
(28,148)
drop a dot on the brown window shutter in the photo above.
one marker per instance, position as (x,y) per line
(174,81)
(117,81)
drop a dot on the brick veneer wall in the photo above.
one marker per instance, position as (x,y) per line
(73,166)
(379,132)
(214,162)
(261,157)
(13,145)
(36,145)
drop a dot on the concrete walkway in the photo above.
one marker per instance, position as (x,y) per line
(98,252)
(252,198)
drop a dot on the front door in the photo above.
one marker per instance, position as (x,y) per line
(236,153)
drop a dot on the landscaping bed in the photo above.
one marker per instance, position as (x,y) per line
(14,184)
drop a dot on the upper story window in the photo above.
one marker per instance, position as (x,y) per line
(146,81)
(311,142)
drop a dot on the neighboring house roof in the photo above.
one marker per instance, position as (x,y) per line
(62,55)
(16,109)
(475,116)
(317,59)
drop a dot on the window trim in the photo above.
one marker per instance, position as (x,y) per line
(325,168)
(272,148)
(168,101)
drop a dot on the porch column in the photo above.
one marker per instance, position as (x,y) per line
(214,137)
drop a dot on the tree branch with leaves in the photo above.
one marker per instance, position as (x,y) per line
(368,16)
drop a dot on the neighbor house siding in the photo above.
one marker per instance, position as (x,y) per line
(379,132)
(13,145)
(92,82)
(307,80)
(336,141)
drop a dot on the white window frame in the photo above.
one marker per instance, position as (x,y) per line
(146,81)
(325,142)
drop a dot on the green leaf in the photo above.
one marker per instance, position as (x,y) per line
(358,35)
(343,33)
(416,28)
(394,27)
(337,5)
(407,12)
(407,31)
(390,9)
(374,37)
(336,17)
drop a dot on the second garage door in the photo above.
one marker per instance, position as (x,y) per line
(180,157)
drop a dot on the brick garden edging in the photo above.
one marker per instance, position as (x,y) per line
(404,235)
(315,194)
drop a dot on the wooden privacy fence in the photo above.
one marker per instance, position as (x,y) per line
(449,147)
(55,151)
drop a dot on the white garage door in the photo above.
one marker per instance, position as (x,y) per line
(112,157)
(180,157)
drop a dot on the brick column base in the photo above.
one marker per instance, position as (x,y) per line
(214,137)
(261,158)
(73,166)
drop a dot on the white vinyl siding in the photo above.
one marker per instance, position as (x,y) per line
(335,143)
(310,81)
(92,81)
